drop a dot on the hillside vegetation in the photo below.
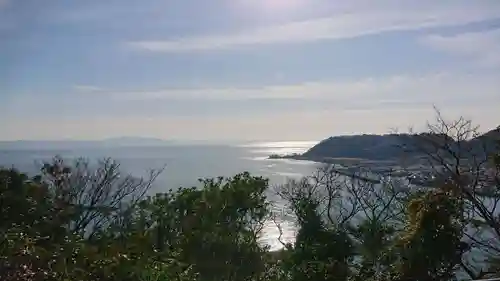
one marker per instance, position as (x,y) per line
(391,146)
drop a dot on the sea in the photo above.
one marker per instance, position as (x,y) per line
(186,163)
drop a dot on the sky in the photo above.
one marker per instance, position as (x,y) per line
(244,69)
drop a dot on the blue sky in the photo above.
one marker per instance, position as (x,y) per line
(244,69)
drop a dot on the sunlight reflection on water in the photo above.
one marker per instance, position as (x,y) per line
(280,170)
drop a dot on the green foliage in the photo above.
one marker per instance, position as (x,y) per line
(375,240)
(82,223)
(216,228)
(320,253)
(430,248)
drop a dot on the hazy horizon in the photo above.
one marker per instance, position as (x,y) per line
(223,141)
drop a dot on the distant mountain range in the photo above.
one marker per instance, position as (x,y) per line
(387,147)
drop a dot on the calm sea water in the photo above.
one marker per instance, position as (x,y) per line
(185,164)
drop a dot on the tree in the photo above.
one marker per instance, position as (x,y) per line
(93,196)
(320,252)
(362,217)
(462,164)
(59,225)
(215,228)
(430,247)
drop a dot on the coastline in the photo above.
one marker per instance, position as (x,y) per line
(349,167)
(361,168)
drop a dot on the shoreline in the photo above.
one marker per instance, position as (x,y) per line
(347,166)
(351,167)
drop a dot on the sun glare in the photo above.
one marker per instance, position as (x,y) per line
(281,4)
(272,6)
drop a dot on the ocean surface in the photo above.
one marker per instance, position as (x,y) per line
(185,164)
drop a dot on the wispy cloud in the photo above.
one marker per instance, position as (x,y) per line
(341,26)
(87,88)
(482,47)
(392,91)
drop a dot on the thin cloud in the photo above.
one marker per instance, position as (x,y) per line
(387,91)
(87,88)
(482,47)
(368,105)
(342,26)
